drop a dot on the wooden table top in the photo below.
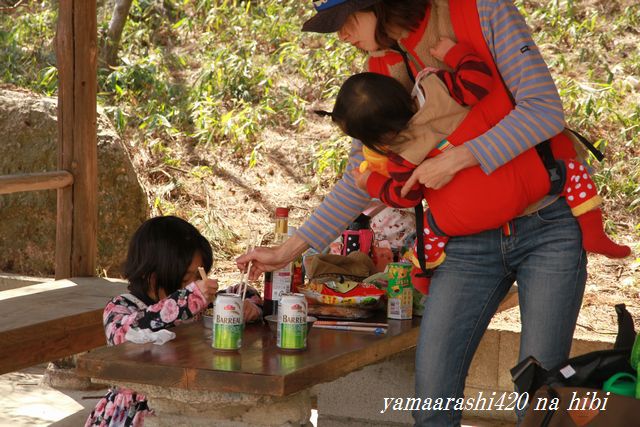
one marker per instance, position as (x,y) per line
(259,367)
(42,305)
(51,320)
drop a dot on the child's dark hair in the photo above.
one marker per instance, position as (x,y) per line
(164,245)
(373,108)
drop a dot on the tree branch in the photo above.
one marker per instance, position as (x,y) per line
(11,8)
(114,33)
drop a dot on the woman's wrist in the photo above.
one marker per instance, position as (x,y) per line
(464,158)
(292,248)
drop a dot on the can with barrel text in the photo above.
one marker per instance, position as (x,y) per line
(292,322)
(399,291)
(227,322)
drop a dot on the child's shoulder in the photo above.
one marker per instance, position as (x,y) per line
(126,300)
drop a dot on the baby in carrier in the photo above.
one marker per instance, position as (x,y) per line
(398,135)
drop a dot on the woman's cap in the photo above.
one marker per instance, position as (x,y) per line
(331,14)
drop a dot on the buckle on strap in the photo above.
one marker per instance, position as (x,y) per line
(555,169)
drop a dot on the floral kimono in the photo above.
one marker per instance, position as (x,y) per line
(121,406)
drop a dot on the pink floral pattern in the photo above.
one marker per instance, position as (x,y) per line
(121,406)
(193,305)
(121,314)
(169,311)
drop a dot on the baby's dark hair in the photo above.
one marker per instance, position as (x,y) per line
(373,108)
(164,245)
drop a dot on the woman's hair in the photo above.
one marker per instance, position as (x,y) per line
(401,14)
(164,245)
(373,108)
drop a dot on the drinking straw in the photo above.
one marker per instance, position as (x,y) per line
(374,330)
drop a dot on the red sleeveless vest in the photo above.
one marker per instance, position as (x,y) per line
(474,201)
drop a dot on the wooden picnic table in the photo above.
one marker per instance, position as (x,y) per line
(51,320)
(205,384)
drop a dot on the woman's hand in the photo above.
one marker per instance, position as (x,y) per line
(269,259)
(436,172)
(262,259)
(208,288)
(250,311)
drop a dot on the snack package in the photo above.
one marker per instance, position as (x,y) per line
(381,280)
(360,295)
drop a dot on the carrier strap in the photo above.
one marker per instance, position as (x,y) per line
(405,60)
(420,242)
(419,211)
(592,148)
(556,175)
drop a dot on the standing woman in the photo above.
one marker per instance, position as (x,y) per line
(541,249)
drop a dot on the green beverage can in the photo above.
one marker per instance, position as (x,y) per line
(292,322)
(227,322)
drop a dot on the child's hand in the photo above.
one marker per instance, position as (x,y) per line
(208,288)
(440,50)
(251,311)
(361,178)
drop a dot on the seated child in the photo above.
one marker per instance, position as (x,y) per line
(165,290)
(378,111)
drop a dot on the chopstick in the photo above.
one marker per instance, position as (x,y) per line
(369,329)
(244,284)
(240,289)
(254,239)
(203,274)
(345,323)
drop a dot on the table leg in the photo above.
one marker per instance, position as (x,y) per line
(176,407)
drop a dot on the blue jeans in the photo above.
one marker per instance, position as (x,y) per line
(544,254)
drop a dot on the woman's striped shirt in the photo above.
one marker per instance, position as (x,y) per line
(538,116)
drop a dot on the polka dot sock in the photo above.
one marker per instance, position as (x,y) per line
(583,199)
(434,256)
(579,188)
(433,248)
(594,238)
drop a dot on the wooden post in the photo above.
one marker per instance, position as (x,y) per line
(77,211)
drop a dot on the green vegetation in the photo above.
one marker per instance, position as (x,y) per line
(215,74)
(592,50)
